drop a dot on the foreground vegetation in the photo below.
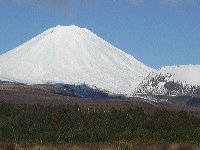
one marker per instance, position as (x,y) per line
(120,145)
(55,125)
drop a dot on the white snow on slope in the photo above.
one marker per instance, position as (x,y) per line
(73,55)
(172,80)
(188,74)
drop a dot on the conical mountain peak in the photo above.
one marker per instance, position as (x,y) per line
(65,30)
(73,55)
(72,27)
(70,32)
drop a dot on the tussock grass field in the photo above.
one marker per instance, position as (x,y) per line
(121,145)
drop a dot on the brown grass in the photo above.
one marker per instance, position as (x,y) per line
(121,145)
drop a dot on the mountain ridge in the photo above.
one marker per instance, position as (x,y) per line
(181,80)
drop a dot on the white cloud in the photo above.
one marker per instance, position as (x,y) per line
(137,2)
(140,2)
(59,5)
(170,1)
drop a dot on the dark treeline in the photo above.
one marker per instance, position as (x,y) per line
(66,123)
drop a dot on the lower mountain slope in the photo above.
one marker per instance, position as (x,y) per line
(17,93)
(50,95)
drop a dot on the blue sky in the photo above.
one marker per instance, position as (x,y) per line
(156,32)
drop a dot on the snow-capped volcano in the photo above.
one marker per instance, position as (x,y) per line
(181,80)
(73,55)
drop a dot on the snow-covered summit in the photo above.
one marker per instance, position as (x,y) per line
(184,73)
(172,80)
(73,55)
